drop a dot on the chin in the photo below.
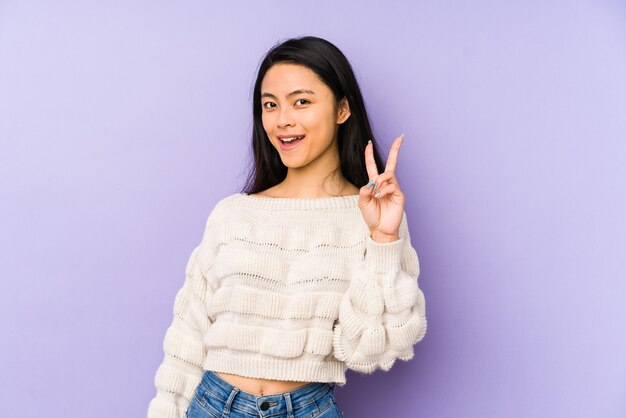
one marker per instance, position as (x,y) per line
(293,165)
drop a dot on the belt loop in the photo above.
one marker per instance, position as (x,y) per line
(289,405)
(230,400)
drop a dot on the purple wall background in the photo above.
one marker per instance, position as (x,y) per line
(122,124)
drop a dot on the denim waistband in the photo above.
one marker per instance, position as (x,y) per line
(285,402)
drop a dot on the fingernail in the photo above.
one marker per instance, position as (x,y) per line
(369,141)
(367,186)
(375,187)
(377,195)
(402,136)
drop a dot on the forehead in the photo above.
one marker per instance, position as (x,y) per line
(283,78)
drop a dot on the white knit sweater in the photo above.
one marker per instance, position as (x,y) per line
(291,289)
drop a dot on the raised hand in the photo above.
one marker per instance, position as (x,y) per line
(381,201)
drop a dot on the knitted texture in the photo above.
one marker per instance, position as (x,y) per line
(290,289)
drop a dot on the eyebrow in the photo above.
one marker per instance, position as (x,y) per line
(293,93)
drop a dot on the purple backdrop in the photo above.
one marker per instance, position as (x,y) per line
(123,122)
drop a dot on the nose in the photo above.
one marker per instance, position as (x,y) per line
(285,118)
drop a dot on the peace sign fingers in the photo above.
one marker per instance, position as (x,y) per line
(379,181)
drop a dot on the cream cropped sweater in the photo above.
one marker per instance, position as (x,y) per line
(290,289)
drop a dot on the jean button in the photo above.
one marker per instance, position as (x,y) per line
(265,406)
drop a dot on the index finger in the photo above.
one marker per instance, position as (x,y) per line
(370,162)
(392,159)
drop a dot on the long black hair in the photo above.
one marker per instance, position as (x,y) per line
(334,69)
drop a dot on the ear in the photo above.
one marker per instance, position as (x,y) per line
(343,111)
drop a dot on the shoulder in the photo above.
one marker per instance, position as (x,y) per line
(222,207)
(228,201)
(219,216)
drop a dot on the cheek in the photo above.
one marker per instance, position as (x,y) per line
(267,122)
(316,120)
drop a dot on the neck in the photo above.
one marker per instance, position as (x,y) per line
(296,184)
(320,178)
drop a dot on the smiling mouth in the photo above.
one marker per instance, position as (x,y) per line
(291,140)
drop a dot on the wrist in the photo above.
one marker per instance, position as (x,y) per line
(383,238)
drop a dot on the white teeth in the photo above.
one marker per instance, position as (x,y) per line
(291,139)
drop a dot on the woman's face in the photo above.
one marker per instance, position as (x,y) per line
(296,103)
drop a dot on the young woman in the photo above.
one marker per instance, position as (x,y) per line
(306,273)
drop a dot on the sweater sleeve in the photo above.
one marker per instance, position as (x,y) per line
(180,372)
(383,312)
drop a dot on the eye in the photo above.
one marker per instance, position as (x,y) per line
(266,103)
(303,100)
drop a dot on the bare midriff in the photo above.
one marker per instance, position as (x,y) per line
(260,387)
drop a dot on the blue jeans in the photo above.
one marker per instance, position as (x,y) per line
(215,398)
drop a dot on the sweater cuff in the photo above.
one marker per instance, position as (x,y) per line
(384,257)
